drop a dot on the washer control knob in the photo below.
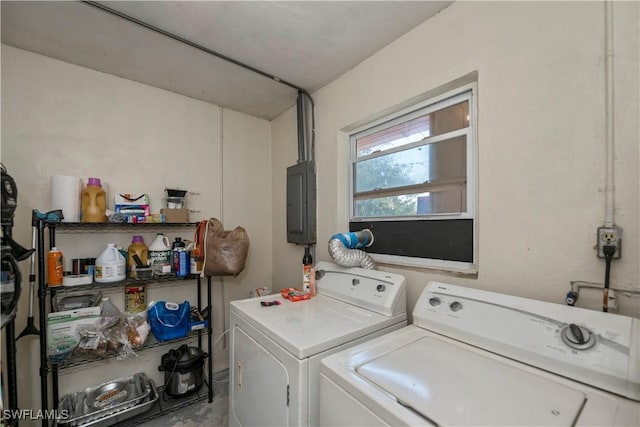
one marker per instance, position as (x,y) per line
(355,282)
(381,288)
(455,306)
(577,337)
(434,301)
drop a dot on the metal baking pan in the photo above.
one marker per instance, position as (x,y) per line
(145,405)
(74,302)
(106,403)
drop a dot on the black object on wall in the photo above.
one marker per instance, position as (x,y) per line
(446,239)
(301,203)
(301,179)
(10,286)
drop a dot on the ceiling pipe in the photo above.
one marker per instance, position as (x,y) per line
(305,147)
(302,145)
(194,45)
(609,187)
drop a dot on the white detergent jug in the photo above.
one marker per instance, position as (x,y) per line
(110,265)
(160,255)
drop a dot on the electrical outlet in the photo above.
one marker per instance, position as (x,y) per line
(610,236)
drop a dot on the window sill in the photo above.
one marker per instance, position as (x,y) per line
(453,268)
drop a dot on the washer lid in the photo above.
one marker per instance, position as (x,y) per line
(308,327)
(449,385)
(605,354)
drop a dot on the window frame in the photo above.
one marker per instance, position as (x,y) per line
(425,106)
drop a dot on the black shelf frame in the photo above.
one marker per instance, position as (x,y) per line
(114,285)
(151,342)
(110,226)
(165,405)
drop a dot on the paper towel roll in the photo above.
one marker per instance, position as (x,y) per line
(65,195)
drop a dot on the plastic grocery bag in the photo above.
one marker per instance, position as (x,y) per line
(225,252)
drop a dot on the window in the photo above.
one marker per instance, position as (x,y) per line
(412,182)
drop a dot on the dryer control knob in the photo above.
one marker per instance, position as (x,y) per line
(577,337)
(455,306)
(381,288)
(434,301)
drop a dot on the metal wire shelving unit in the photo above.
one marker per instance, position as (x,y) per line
(46,294)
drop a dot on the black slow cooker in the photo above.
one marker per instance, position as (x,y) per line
(183,370)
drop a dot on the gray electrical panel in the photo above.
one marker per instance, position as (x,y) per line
(301,203)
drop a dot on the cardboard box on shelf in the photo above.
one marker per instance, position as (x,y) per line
(131,199)
(66,322)
(62,331)
(175,215)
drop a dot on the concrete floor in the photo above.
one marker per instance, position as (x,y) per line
(215,414)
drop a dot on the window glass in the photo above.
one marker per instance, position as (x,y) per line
(451,118)
(406,132)
(438,161)
(394,170)
(441,201)
(413,184)
(395,136)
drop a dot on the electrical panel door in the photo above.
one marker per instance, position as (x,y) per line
(301,203)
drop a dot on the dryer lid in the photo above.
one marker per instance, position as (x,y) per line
(306,328)
(450,385)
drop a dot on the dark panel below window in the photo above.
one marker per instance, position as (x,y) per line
(447,239)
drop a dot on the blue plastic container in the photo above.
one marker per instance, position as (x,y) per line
(169,320)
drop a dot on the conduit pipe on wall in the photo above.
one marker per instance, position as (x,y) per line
(609,186)
(223,297)
(192,44)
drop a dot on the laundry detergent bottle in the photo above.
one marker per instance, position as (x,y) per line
(110,265)
(139,248)
(94,202)
(160,254)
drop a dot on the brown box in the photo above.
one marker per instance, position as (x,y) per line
(175,215)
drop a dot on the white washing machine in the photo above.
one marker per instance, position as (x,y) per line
(479,358)
(275,350)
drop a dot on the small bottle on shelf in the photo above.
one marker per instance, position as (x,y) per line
(55,267)
(308,273)
(137,247)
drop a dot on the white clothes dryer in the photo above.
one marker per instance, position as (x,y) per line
(275,350)
(477,358)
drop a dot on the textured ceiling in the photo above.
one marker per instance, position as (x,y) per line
(305,43)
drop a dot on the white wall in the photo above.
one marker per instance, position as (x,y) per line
(541,143)
(58,118)
(287,266)
(247,202)
(540,140)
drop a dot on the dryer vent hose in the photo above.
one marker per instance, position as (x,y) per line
(343,249)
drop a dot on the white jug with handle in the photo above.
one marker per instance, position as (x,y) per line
(160,255)
(110,265)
